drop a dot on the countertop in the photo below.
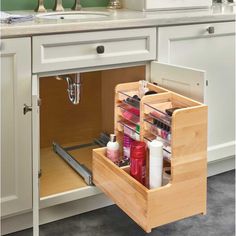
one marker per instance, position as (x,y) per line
(119,19)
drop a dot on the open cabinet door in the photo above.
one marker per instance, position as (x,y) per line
(36,153)
(185,81)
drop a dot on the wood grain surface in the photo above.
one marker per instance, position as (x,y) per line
(185,195)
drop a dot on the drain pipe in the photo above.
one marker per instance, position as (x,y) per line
(73,87)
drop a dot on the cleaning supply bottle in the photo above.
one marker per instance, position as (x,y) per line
(155,163)
(113,149)
(138,161)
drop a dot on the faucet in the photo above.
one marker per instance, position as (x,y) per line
(58,6)
(76,6)
(40,7)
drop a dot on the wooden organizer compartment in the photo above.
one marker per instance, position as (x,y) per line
(126,110)
(185,195)
(122,92)
(153,108)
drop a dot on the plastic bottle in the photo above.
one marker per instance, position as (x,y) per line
(138,161)
(126,148)
(113,149)
(155,164)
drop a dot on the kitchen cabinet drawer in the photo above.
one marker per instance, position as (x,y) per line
(71,51)
(185,194)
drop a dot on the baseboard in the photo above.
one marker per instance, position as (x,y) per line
(61,211)
(221,166)
(221,151)
(58,212)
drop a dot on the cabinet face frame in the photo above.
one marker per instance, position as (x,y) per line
(16,130)
(36,152)
(70,195)
(90,190)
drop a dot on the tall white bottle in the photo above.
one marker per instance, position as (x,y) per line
(155,164)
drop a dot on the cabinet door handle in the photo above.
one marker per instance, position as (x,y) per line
(100,49)
(26,109)
(211,30)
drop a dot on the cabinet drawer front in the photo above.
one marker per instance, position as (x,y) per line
(155,207)
(125,191)
(201,33)
(71,51)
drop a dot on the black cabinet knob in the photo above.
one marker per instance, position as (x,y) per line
(211,30)
(100,49)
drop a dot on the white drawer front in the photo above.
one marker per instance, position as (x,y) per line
(71,51)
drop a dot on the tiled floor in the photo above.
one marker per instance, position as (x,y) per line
(111,221)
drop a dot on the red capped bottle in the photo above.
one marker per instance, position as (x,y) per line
(138,161)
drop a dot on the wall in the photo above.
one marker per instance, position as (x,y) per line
(7,5)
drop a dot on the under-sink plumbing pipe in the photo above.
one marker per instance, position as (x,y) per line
(73,87)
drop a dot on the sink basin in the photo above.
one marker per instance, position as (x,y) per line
(72,15)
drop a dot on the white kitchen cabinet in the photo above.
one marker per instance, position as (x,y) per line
(74,127)
(16,164)
(210,47)
(70,51)
(69,125)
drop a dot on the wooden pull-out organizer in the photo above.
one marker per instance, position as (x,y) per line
(185,195)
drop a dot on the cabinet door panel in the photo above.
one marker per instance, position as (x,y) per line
(182,80)
(193,46)
(16,190)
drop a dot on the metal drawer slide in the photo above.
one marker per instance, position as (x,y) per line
(81,169)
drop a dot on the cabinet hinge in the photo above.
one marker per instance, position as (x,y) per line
(206,82)
(39,102)
(40,173)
